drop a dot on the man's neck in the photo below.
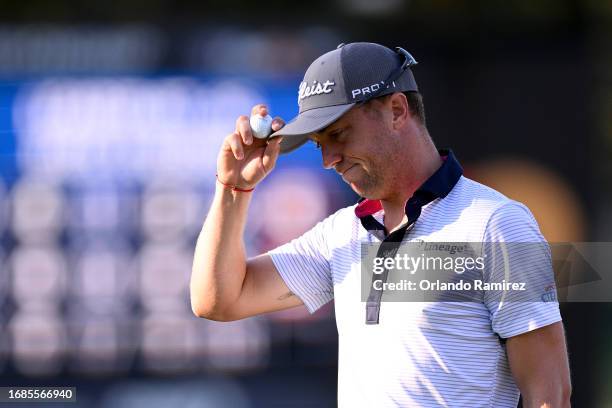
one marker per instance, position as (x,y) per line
(394,206)
(394,220)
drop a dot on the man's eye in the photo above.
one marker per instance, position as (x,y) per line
(338,136)
(317,144)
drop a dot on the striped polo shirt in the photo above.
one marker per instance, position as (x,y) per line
(424,354)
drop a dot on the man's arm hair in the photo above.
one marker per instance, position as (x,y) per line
(286,296)
(539,363)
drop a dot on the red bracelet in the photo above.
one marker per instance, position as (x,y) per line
(234,188)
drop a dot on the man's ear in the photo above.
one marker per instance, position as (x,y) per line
(400,109)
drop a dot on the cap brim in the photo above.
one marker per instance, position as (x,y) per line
(295,133)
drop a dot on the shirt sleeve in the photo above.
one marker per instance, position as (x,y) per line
(516,252)
(304,265)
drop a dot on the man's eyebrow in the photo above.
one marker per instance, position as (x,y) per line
(339,129)
(329,132)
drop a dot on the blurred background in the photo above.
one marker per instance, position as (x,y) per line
(110,122)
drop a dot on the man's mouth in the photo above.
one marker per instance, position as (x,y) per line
(344,172)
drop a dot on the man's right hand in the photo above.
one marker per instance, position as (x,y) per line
(245,160)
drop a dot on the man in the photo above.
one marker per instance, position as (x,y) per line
(360,104)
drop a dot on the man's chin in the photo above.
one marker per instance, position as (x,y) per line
(364,191)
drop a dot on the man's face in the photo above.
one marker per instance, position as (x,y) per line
(362,147)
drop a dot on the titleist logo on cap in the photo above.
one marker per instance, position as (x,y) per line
(317,88)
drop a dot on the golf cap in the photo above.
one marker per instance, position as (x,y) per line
(340,79)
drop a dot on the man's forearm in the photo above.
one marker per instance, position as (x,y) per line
(539,363)
(551,391)
(559,398)
(219,264)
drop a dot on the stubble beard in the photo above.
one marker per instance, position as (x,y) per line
(369,185)
(378,180)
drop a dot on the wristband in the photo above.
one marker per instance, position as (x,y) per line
(234,188)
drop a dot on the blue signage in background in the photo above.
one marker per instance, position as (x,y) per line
(132,127)
(8,165)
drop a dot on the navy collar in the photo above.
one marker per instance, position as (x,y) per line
(438,185)
(444,179)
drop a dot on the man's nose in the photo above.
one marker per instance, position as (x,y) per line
(331,155)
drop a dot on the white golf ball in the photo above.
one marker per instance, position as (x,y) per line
(261,126)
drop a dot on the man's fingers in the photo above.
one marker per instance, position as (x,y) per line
(234,142)
(271,154)
(243,127)
(259,109)
(277,123)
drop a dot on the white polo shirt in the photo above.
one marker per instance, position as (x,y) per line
(422,354)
